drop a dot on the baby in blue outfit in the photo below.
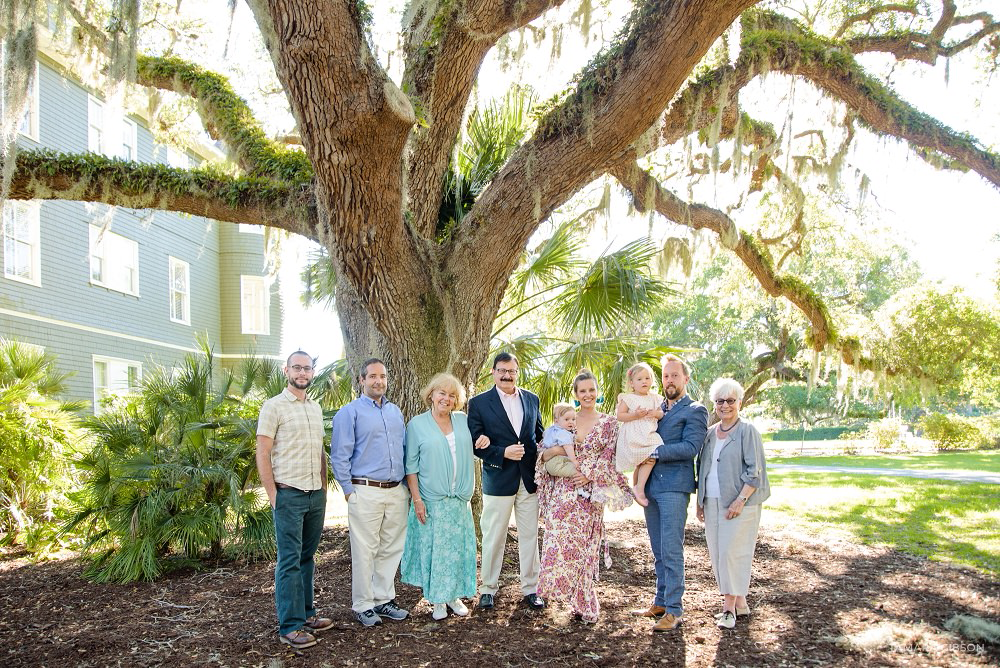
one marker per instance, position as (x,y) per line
(561,435)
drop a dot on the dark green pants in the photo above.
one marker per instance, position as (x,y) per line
(298,524)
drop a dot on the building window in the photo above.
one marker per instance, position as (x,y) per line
(255,305)
(96,142)
(21,242)
(180,291)
(114,378)
(178,158)
(114,261)
(130,140)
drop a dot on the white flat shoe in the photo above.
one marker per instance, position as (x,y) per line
(726,621)
(740,612)
(458,607)
(440,612)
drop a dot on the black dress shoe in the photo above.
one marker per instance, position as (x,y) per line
(486,602)
(533,601)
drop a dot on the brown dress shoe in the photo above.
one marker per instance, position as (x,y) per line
(651,611)
(315,623)
(667,622)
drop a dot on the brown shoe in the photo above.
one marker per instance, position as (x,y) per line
(652,611)
(315,623)
(667,622)
(299,639)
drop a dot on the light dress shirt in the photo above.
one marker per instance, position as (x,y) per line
(296,425)
(712,489)
(512,406)
(367,442)
(454,458)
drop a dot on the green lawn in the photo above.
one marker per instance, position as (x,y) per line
(943,520)
(984,461)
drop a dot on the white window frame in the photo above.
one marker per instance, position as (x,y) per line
(97,128)
(111,363)
(120,248)
(247,318)
(130,140)
(28,127)
(173,290)
(31,210)
(246,228)
(178,158)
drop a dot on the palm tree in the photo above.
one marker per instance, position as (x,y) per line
(171,476)
(36,431)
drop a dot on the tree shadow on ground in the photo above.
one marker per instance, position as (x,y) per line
(805,595)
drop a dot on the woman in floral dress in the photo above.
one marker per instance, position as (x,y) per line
(574,526)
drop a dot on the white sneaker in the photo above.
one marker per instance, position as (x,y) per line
(458,607)
(727,621)
(440,612)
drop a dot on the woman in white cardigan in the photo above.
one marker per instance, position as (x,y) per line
(732,485)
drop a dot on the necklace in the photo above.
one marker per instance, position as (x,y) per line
(722,430)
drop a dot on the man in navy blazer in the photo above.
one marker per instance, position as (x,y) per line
(509,416)
(682,428)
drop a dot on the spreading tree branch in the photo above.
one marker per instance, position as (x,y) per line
(648,194)
(200,192)
(444,53)
(866,17)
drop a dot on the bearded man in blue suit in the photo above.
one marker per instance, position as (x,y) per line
(509,416)
(682,428)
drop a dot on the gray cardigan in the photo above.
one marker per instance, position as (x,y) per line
(741,460)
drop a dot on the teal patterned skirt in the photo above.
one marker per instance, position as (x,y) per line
(440,556)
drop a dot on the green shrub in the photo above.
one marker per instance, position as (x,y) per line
(815,434)
(885,433)
(954,432)
(171,476)
(36,432)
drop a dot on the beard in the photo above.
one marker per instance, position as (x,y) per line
(671,392)
(300,384)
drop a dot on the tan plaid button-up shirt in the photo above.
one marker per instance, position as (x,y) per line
(296,425)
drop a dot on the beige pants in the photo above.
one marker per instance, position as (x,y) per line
(561,466)
(495,520)
(376,519)
(730,545)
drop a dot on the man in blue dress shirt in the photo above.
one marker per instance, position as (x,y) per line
(682,428)
(366,455)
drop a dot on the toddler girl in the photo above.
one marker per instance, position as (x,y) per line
(561,435)
(638,410)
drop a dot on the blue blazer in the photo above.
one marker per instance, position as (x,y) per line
(487,416)
(683,430)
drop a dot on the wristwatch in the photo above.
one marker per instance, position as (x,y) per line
(744,499)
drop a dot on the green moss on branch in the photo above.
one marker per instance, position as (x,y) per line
(224,110)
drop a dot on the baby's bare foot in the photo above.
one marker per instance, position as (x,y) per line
(640,496)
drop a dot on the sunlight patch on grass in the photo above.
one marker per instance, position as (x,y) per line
(975,462)
(941,520)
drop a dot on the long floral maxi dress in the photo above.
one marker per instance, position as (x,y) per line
(574,526)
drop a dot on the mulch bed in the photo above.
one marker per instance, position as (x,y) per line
(807,594)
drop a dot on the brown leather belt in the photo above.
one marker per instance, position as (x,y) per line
(374,483)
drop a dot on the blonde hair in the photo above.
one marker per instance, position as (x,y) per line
(560,409)
(446,383)
(631,372)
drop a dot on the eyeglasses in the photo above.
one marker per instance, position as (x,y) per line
(730,401)
(505,372)
(298,368)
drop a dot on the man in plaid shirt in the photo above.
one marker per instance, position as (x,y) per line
(292,470)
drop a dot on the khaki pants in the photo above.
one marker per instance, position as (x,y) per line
(560,466)
(376,519)
(731,545)
(495,520)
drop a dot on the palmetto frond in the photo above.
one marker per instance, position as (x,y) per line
(319,279)
(617,289)
(554,262)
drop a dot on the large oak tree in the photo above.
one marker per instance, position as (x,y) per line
(368,185)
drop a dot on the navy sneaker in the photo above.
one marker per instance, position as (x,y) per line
(392,611)
(368,618)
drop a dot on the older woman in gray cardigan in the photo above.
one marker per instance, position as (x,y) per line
(732,484)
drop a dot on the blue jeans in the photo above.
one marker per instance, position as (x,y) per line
(666,515)
(298,524)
